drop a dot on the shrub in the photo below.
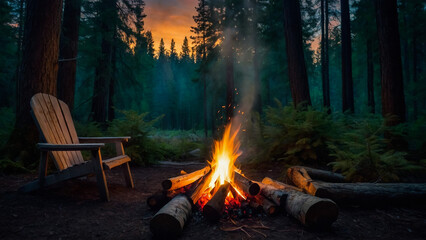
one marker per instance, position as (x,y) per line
(140,148)
(361,152)
(297,135)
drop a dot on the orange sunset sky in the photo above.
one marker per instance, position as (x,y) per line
(169,19)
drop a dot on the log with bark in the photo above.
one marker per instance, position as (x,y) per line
(157,200)
(161,198)
(169,221)
(311,211)
(248,186)
(359,193)
(214,208)
(199,189)
(184,180)
(262,203)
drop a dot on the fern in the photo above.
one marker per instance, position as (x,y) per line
(297,136)
(361,153)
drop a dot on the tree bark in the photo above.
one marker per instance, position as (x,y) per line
(347,82)
(246,185)
(311,211)
(214,208)
(324,54)
(68,52)
(38,70)
(393,102)
(359,193)
(168,223)
(184,180)
(296,63)
(103,76)
(370,76)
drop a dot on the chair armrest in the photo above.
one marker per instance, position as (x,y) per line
(69,147)
(103,139)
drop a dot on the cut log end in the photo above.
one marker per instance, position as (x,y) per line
(321,214)
(254,189)
(169,221)
(167,184)
(165,226)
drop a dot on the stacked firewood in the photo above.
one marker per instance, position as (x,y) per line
(312,202)
(181,193)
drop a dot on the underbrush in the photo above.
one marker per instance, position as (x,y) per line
(147,144)
(358,146)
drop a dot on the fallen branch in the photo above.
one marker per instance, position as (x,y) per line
(359,193)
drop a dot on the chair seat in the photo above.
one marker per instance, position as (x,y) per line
(115,161)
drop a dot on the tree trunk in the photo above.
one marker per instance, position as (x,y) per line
(112,84)
(39,69)
(324,54)
(296,63)
(415,55)
(370,76)
(204,103)
(347,82)
(19,47)
(104,68)
(393,102)
(229,79)
(68,52)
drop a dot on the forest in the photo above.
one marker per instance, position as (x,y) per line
(338,85)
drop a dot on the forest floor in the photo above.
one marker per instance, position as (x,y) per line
(72,210)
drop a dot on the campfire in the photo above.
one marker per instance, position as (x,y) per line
(221,186)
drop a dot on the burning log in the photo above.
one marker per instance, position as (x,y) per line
(248,186)
(184,180)
(214,208)
(359,193)
(266,205)
(168,223)
(200,188)
(311,211)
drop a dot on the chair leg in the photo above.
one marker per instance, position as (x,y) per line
(100,175)
(127,175)
(44,158)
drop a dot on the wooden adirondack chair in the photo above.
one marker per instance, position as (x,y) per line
(60,142)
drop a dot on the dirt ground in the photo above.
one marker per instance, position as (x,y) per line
(72,210)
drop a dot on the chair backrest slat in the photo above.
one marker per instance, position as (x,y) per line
(49,135)
(55,128)
(66,114)
(74,155)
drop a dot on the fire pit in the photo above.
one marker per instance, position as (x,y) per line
(221,187)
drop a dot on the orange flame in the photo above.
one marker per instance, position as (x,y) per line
(226,152)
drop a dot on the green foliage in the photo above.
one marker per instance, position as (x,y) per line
(11,167)
(361,152)
(295,135)
(141,149)
(176,145)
